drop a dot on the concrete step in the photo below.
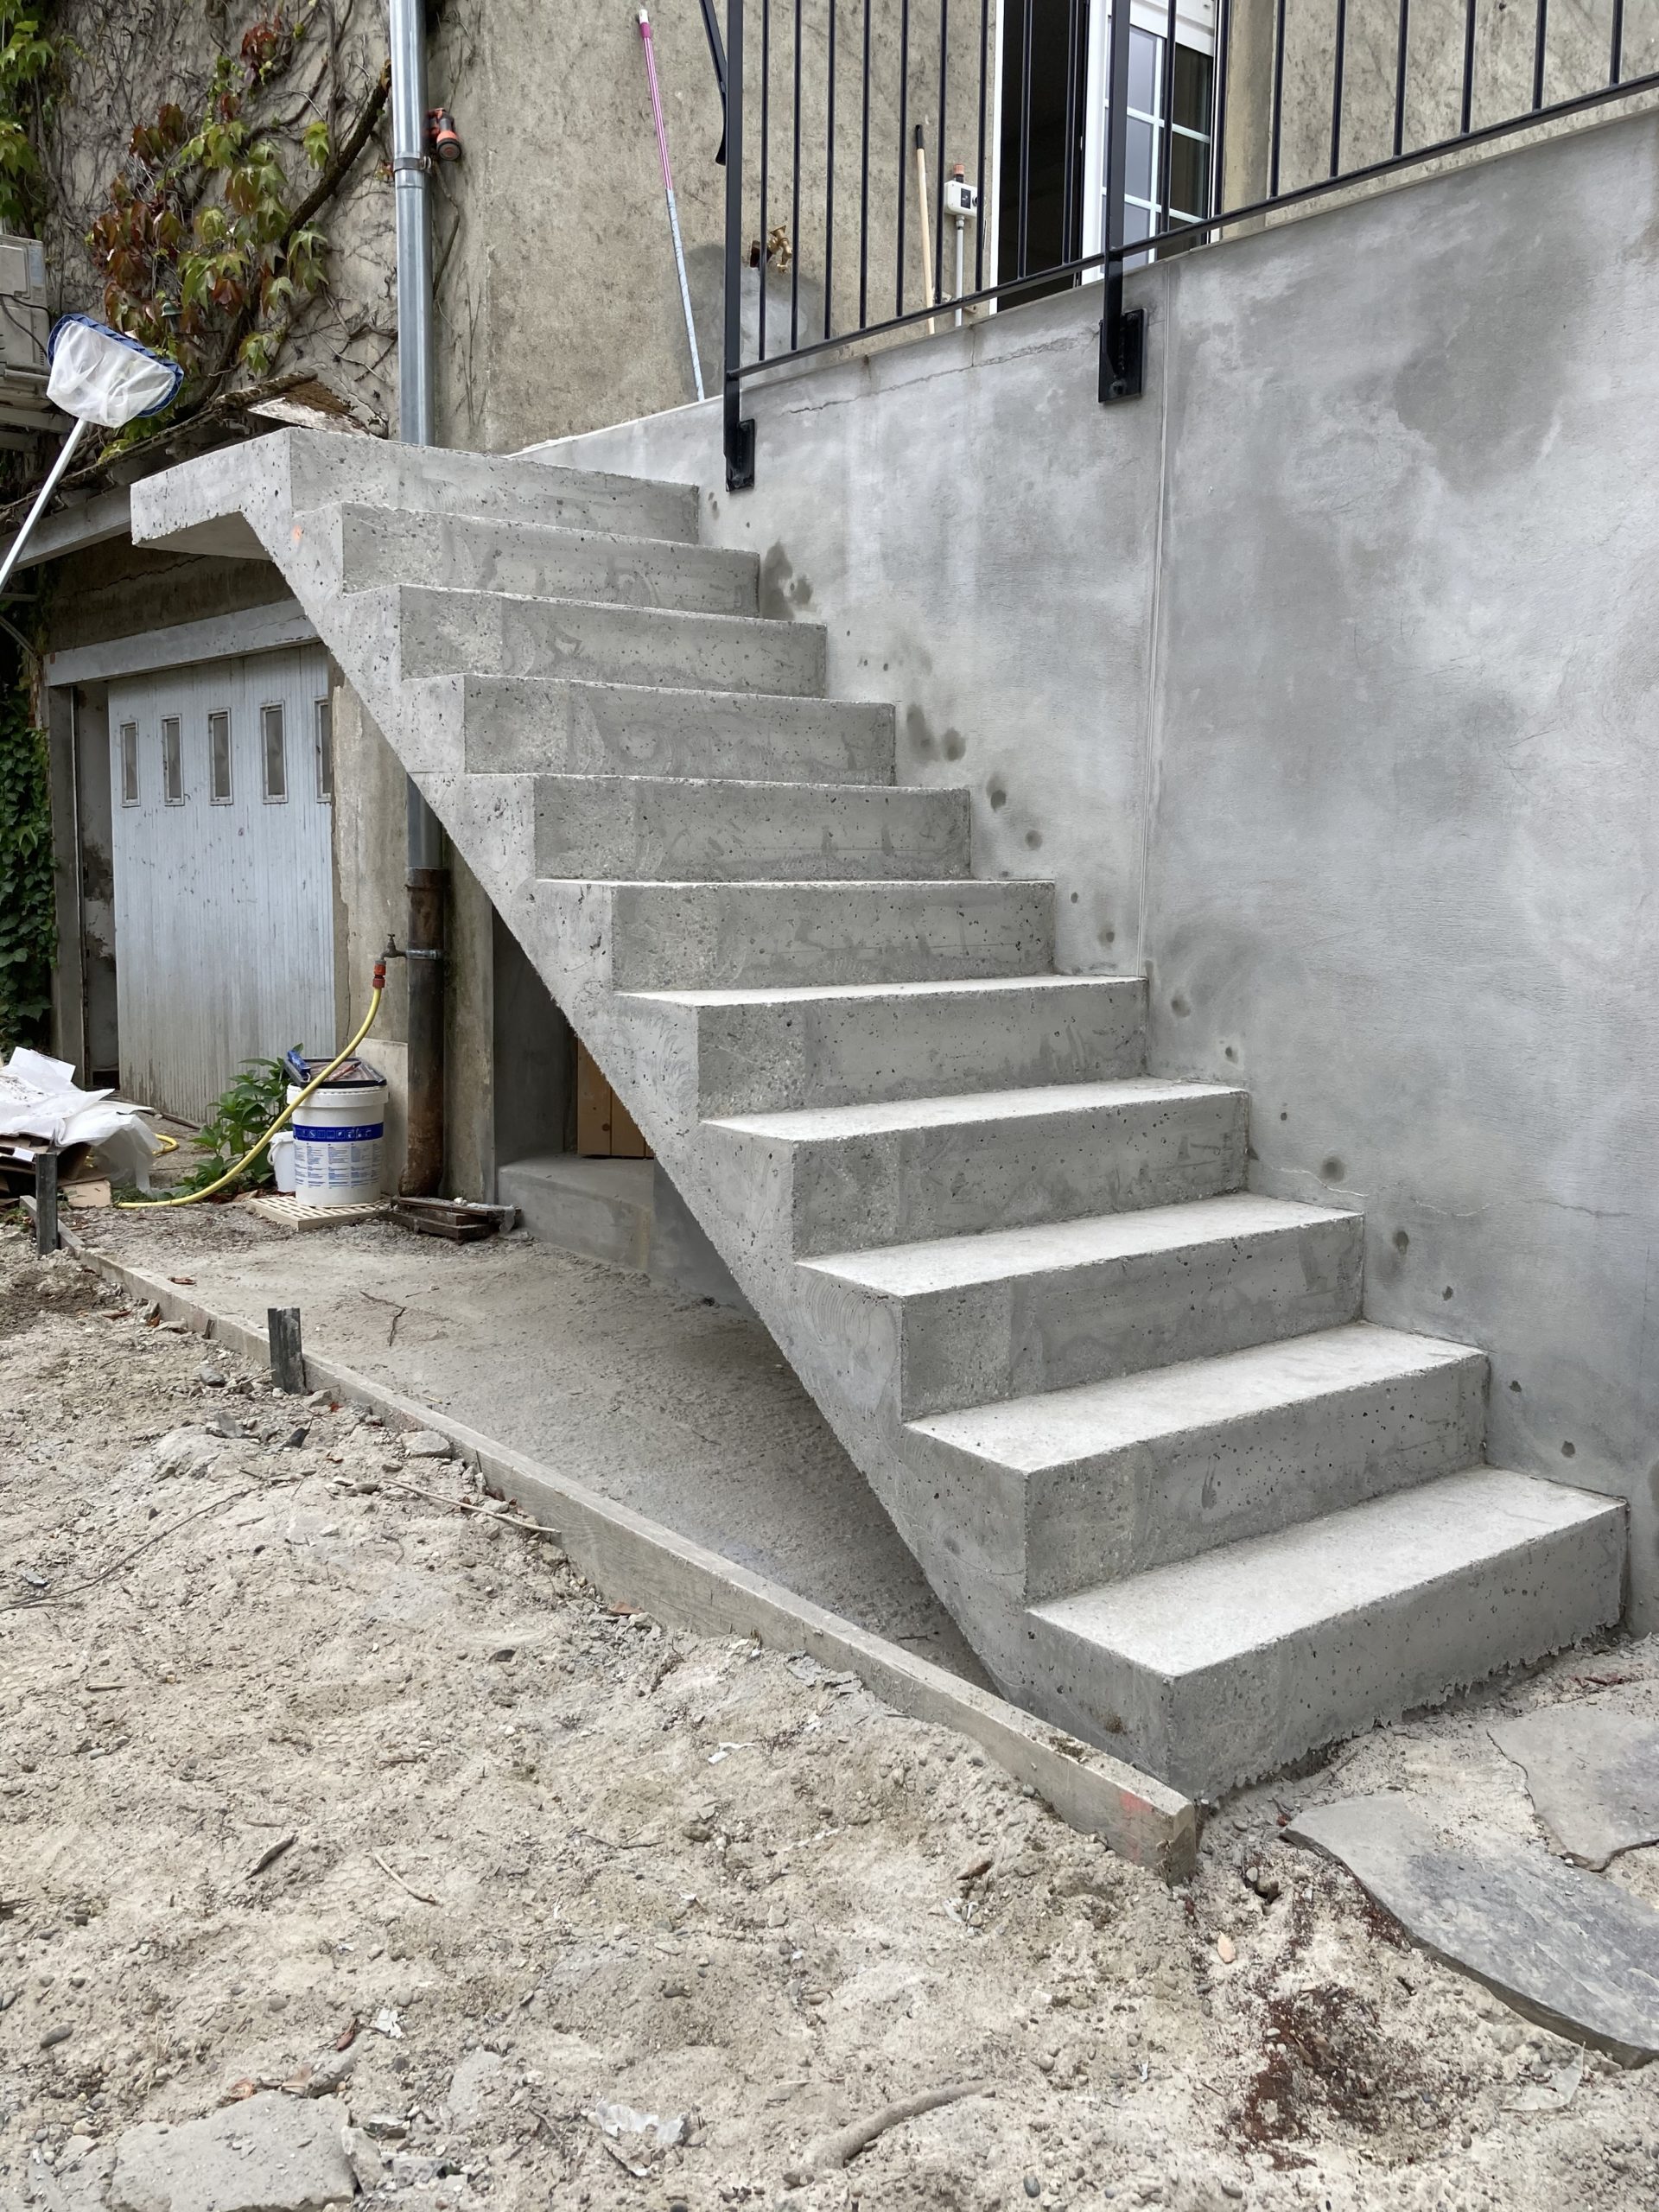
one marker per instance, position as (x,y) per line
(698,936)
(1224,1669)
(685,829)
(1116,1477)
(325,469)
(1014,1312)
(520,724)
(905,1169)
(441,632)
(765,1051)
(376,546)
(623,1213)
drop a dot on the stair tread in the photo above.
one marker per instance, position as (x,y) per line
(804,1124)
(833,994)
(993,1254)
(611,610)
(777,787)
(1200,1612)
(1055,1428)
(530,525)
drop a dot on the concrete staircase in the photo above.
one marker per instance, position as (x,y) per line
(1182,1498)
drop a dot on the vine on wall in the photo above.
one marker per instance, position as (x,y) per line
(27,928)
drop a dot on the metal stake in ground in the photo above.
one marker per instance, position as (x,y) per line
(287,1360)
(46,1201)
(668,194)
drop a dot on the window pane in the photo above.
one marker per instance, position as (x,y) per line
(324,749)
(276,751)
(129,764)
(1189,174)
(172,762)
(1146,66)
(1193,73)
(1137,160)
(1137,223)
(218,758)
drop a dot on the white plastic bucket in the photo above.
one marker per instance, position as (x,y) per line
(337,1136)
(282,1161)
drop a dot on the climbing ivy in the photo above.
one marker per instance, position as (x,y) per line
(31,77)
(28,925)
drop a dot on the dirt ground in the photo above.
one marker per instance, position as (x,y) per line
(291,1755)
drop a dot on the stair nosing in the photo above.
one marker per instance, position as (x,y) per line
(884,1116)
(1096,1400)
(1012,1255)
(735,556)
(772,624)
(812,993)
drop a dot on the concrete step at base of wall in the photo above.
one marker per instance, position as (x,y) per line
(377,546)
(530,724)
(444,632)
(438,480)
(905,1169)
(1224,1669)
(767,1051)
(697,936)
(1016,1312)
(684,828)
(1121,1476)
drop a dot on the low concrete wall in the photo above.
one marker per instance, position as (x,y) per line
(1323,680)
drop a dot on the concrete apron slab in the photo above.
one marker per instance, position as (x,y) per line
(629,1557)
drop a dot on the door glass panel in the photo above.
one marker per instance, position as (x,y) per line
(1192,74)
(1144,53)
(129,764)
(1189,175)
(1137,160)
(274,743)
(325,743)
(219,759)
(172,761)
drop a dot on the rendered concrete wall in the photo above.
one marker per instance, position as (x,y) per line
(1325,681)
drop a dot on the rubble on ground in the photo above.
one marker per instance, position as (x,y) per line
(331,1808)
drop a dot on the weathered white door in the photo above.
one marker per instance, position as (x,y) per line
(222,776)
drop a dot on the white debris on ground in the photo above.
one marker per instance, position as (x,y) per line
(349,1840)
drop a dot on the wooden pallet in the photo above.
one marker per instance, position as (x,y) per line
(285,1211)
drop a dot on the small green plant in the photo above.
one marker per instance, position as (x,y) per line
(241,1116)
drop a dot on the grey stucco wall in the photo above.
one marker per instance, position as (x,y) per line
(1326,682)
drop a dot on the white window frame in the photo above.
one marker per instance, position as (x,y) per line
(1195,26)
(322,748)
(175,724)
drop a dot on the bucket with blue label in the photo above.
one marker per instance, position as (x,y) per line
(338,1133)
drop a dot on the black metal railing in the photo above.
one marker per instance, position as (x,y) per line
(1082,141)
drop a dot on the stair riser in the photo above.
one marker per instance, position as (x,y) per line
(605,729)
(460,553)
(439,632)
(758,1060)
(1031,1333)
(1172,1498)
(897,1187)
(1249,1716)
(377,473)
(623,828)
(709,937)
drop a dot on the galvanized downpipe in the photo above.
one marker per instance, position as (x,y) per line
(426,878)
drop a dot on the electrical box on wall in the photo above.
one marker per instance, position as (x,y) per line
(25,412)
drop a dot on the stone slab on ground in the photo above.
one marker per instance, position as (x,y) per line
(1574,1953)
(1592,1771)
(267,2153)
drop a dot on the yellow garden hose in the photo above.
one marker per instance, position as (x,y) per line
(190,1197)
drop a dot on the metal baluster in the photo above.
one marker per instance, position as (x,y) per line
(1275,129)
(1468,106)
(1540,33)
(829,183)
(1122,337)
(904,147)
(795,200)
(765,150)
(939,154)
(864,187)
(1164,168)
(1022,231)
(739,435)
(1068,181)
(1618,76)
(1399,80)
(979,179)
(1336,90)
(1218,143)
